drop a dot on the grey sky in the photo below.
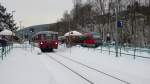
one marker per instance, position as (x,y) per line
(34,12)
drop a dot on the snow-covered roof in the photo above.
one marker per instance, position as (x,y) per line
(6,32)
(73,33)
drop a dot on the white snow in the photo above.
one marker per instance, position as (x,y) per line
(124,67)
(23,67)
(6,32)
(27,65)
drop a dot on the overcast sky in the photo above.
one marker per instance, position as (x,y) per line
(35,12)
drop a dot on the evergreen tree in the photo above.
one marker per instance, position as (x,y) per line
(6,20)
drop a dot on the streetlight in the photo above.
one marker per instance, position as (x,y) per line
(13,14)
(20,23)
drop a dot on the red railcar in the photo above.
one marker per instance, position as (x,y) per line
(91,39)
(47,40)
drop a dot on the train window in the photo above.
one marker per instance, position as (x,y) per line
(49,36)
(55,36)
(42,37)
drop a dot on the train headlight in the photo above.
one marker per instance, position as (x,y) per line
(56,43)
(41,43)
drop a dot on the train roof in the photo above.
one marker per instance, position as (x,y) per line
(44,32)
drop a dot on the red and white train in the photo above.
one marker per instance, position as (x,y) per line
(47,40)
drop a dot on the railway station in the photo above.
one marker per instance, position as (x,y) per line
(75,42)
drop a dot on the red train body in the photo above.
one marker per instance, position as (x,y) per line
(47,40)
(92,39)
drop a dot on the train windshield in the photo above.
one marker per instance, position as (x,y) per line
(52,36)
(55,37)
(49,36)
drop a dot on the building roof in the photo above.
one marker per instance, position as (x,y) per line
(73,33)
(6,32)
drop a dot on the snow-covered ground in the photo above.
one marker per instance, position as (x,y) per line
(76,65)
(24,67)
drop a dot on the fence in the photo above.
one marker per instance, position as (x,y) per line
(126,50)
(129,50)
(5,50)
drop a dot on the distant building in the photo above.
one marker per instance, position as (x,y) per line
(28,32)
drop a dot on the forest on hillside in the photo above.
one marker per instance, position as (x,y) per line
(101,16)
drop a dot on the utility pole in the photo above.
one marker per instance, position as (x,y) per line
(13,26)
(13,15)
(69,32)
(116,46)
(20,23)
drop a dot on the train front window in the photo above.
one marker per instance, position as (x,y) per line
(49,36)
(42,37)
(55,36)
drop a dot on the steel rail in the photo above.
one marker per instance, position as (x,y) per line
(93,68)
(90,82)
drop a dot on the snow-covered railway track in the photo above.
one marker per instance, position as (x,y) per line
(87,70)
(90,82)
(93,69)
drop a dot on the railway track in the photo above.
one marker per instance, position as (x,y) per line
(90,82)
(84,65)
